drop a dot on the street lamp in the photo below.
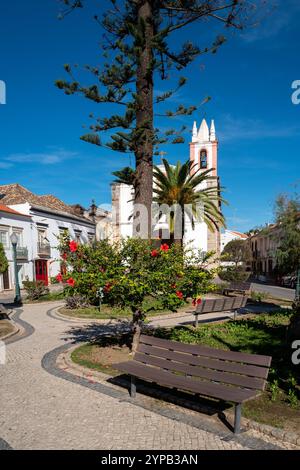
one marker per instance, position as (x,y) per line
(14,242)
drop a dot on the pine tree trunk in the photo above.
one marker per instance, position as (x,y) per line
(144,117)
(136,329)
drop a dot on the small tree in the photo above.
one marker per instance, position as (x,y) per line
(287,234)
(3,260)
(134,271)
(237,251)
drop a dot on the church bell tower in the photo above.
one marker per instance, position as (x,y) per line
(204,148)
(204,156)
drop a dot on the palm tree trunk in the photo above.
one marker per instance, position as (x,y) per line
(182,225)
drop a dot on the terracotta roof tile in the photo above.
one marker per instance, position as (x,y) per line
(16,194)
(9,210)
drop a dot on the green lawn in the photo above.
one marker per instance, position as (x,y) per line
(94,313)
(108,312)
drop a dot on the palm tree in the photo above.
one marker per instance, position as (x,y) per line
(182,187)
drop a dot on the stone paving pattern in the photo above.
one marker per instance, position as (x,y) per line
(45,409)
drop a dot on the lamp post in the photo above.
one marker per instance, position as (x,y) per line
(297,297)
(14,242)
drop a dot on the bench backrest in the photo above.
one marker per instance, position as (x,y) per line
(203,363)
(221,304)
(240,285)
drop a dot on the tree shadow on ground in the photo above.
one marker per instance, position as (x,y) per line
(95,332)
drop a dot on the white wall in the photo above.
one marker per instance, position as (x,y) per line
(126,210)
(11,222)
(196,238)
(53,223)
(227,236)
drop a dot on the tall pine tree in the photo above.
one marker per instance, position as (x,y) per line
(137,51)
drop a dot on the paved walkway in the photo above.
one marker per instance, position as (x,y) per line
(43,408)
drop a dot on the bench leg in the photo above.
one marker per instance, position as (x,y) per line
(235,314)
(132,387)
(196,321)
(237,418)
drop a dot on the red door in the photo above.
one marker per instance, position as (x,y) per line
(41,271)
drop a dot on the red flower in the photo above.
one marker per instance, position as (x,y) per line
(199,301)
(154,253)
(59,277)
(173,286)
(179,294)
(164,247)
(71,282)
(64,256)
(73,246)
(196,302)
(107,287)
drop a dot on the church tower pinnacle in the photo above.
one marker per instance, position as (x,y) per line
(204,147)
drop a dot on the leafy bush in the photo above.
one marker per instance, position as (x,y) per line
(3,260)
(128,272)
(258,296)
(233,274)
(35,289)
(76,301)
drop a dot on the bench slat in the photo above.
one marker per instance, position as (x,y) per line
(221,305)
(224,366)
(231,394)
(217,376)
(253,359)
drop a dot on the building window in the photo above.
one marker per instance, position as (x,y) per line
(91,237)
(19,234)
(63,231)
(4,237)
(41,235)
(77,236)
(203,159)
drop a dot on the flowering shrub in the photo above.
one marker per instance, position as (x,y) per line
(132,270)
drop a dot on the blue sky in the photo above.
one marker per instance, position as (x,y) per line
(249,80)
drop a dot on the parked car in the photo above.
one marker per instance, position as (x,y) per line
(289,281)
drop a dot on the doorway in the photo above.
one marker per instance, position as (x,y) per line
(5,275)
(41,271)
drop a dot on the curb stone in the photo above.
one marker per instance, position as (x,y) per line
(16,331)
(64,360)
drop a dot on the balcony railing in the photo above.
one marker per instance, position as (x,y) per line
(22,253)
(43,249)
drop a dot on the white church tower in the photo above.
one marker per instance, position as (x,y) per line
(204,156)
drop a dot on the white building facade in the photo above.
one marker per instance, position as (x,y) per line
(14,222)
(38,228)
(229,235)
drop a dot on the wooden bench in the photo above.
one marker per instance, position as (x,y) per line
(226,375)
(223,304)
(240,287)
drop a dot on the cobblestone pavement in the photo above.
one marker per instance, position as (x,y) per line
(50,409)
